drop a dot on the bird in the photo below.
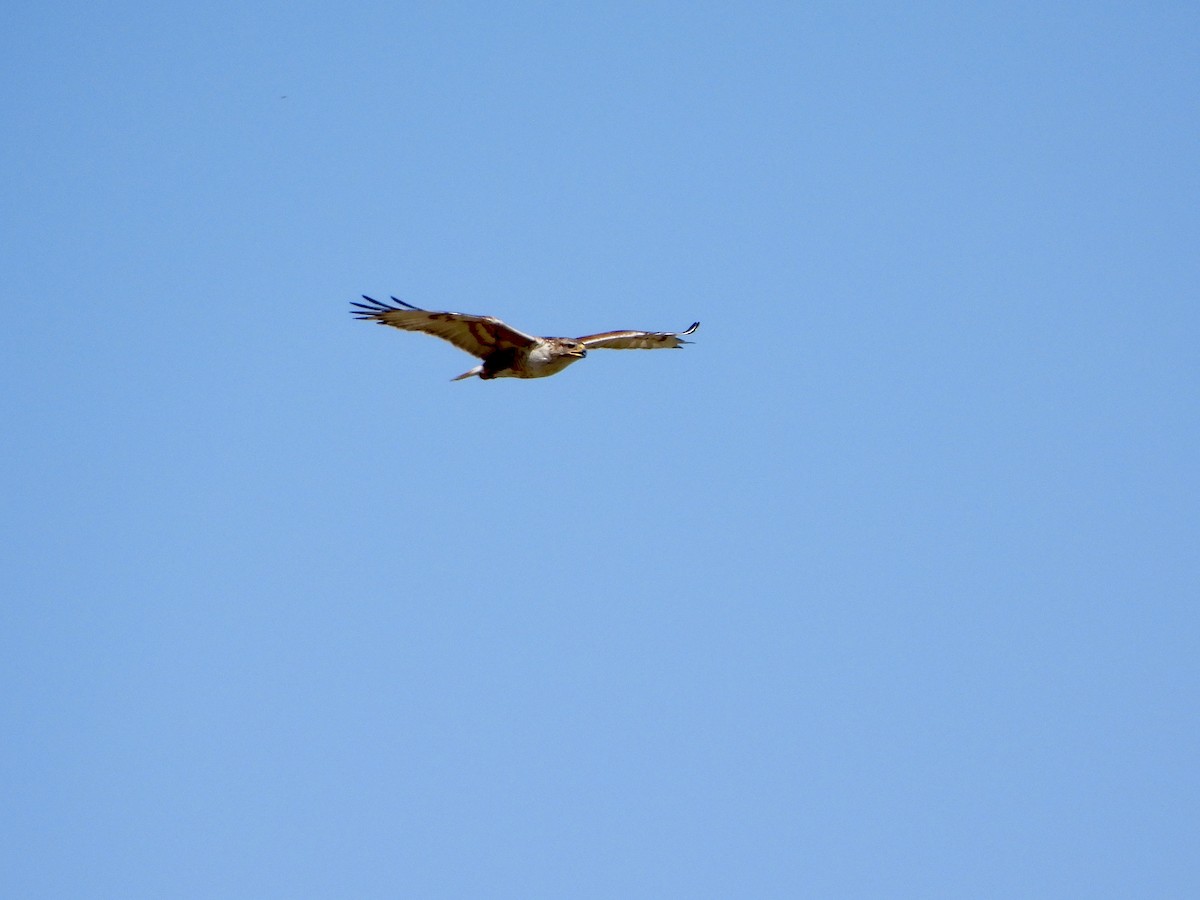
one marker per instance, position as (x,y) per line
(506,352)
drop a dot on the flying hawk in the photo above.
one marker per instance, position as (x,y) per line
(506,352)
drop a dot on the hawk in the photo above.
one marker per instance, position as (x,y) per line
(506,352)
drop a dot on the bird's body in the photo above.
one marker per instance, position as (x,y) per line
(506,352)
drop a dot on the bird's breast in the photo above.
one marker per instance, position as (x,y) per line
(544,360)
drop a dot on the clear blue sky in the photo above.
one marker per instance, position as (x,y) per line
(885,587)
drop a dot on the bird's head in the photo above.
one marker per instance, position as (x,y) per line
(575,348)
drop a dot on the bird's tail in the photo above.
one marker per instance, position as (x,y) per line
(474,371)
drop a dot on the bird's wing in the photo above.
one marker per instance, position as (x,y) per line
(636,340)
(478,335)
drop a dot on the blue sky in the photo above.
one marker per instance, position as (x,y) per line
(886,586)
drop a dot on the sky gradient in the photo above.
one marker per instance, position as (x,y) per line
(885,586)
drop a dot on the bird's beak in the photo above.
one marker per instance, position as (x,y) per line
(581,353)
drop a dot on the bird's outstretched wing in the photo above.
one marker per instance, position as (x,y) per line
(478,335)
(636,340)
